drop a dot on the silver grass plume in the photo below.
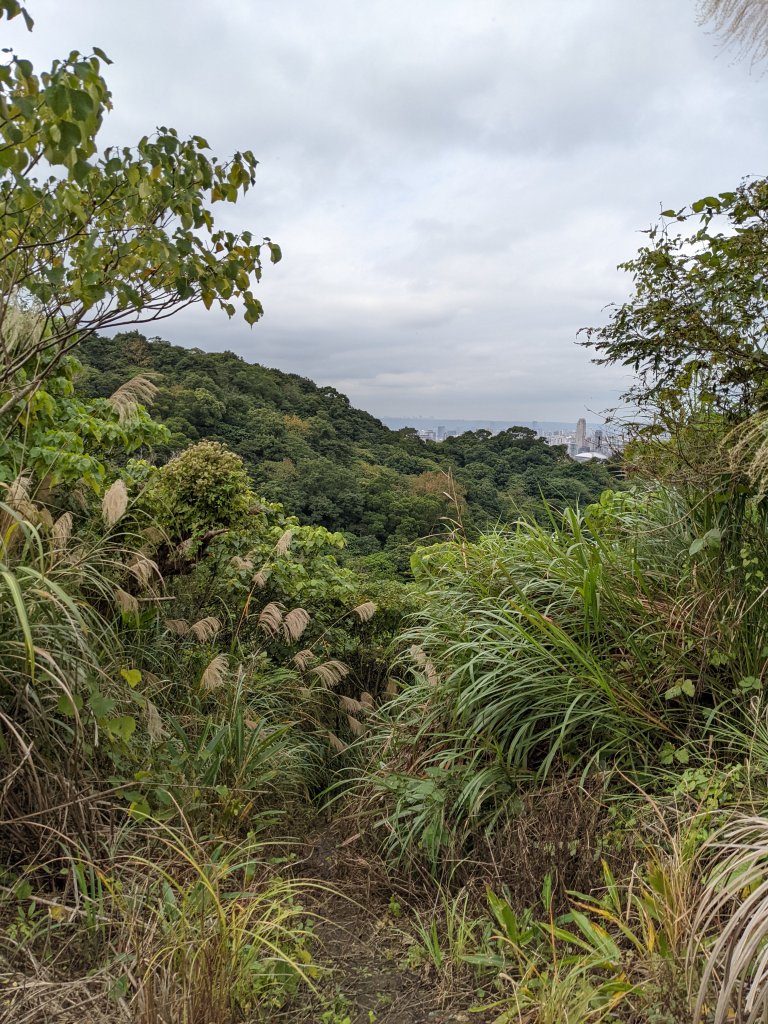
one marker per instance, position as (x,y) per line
(303,659)
(271,618)
(365,611)
(22,327)
(330,673)
(294,623)
(114,502)
(143,568)
(205,628)
(358,729)
(137,391)
(126,602)
(418,655)
(733,912)
(338,745)
(61,531)
(747,451)
(213,676)
(178,626)
(741,22)
(284,543)
(350,705)
(155,729)
(17,497)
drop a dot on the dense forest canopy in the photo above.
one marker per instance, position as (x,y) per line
(336,466)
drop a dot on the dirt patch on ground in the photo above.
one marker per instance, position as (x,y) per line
(364,947)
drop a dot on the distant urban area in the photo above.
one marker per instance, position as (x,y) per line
(584,441)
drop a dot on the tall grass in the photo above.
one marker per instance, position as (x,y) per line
(105,909)
(58,652)
(607,641)
(728,953)
(182,930)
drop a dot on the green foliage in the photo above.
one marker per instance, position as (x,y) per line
(204,488)
(338,467)
(598,644)
(99,239)
(62,438)
(695,318)
(197,621)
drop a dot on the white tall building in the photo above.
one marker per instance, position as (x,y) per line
(581,433)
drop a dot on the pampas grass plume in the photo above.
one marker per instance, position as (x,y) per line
(115,502)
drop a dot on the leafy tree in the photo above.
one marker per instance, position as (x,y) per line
(98,239)
(62,438)
(695,326)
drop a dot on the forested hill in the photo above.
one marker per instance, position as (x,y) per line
(333,465)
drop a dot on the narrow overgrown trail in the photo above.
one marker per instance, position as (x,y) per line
(364,936)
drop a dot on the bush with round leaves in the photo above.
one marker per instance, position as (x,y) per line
(203,488)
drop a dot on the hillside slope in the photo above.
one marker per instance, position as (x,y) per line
(334,465)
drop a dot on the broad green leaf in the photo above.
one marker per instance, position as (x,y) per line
(132,676)
(70,705)
(100,704)
(122,728)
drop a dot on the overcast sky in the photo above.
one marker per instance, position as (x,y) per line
(452,181)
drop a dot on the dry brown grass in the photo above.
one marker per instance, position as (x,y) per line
(559,831)
(44,998)
(45,809)
(167,933)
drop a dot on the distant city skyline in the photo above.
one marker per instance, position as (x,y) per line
(479,423)
(582,440)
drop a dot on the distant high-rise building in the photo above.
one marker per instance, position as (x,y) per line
(581,433)
(440,433)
